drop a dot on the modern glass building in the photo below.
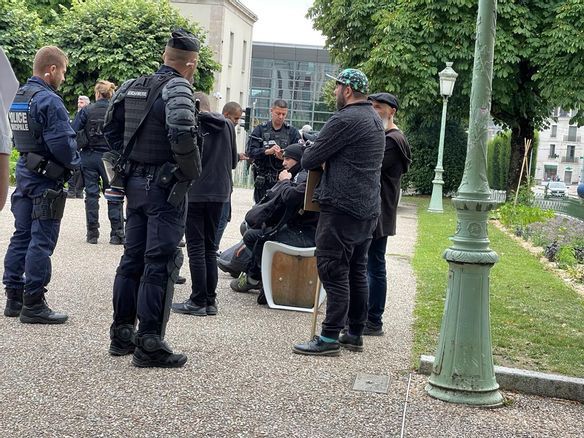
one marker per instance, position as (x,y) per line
(295,74)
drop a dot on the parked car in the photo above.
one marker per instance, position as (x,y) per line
(556,188)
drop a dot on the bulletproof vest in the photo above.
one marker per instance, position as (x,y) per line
(281,137)
(151,144)
(26,131)
(94,126)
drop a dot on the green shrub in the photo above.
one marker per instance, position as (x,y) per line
(566,257)
(522,215)
(13,159)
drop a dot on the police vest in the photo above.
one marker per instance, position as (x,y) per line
(94,126)
(151,144)
(26,131)
(282,138)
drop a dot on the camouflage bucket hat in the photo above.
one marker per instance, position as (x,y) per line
(354,78)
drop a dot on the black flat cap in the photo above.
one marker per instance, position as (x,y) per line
(183,40)
(387,98)
(294,151)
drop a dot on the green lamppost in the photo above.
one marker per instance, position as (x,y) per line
(447,79)
(463,369)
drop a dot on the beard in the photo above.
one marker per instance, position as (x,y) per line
(386,123)
(341,101)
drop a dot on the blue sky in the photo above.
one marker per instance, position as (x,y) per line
(283,21)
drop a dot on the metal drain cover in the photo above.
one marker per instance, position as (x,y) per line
(371,383)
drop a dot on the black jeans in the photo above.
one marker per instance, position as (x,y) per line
(254,240)
(342,242)
(377,277)
(201,235)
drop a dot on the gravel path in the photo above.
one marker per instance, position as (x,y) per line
(241,378)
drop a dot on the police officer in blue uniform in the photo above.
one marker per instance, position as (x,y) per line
(266,145)
(48,153)
(89,127)
(152,121)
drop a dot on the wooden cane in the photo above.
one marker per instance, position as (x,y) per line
(316,306)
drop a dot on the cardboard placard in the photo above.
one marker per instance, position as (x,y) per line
(311,183)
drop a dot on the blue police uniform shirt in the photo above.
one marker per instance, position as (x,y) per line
(48,109)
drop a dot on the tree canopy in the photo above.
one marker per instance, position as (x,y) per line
(104,39)
(403,44)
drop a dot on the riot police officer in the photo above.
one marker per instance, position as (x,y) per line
(89,127)
(152,122)
(266,145)
(48,153)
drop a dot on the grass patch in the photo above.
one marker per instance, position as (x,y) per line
(537,321)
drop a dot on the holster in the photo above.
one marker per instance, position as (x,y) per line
(178,192)
(50,205)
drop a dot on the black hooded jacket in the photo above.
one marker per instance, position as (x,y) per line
(218,159)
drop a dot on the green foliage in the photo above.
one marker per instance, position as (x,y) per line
(498,155)
(327,94)
(566,257)
(48,10)
(108,39)
(522,215)
(423,133)
(403,44)
(20,36)
(14,155)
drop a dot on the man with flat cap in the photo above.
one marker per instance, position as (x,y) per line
(349,150)
(396,161)
(152,122)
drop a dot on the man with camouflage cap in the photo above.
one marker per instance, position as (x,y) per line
(349,149)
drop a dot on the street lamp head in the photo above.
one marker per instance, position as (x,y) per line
(447,79)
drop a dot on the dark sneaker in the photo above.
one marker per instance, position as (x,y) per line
(351,342)
(180,280)
(13,303)
(242,284)
(40,313)
(189,308)
(212,309)
(262,301)
(317,347)
(116,240)
(121,340)
(371,330)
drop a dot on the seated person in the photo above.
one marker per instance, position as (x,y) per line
(287,222)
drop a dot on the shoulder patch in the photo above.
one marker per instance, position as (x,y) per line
(138,94)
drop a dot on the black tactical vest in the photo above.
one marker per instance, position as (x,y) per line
(282,138)
(26,131)
(151,144)
(94,126)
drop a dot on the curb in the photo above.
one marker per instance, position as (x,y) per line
(527,382)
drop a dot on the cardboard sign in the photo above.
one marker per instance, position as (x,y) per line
(311,183)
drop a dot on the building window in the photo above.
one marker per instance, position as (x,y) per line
(241,98)
(228,95)
(244,56)
(572,131)
(570,153)
(552,151)
(231,43)
(554,133)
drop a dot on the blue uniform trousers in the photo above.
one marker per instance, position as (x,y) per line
(154,229)
(27,264)
(94,172)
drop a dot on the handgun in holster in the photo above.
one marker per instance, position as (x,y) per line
(43,166)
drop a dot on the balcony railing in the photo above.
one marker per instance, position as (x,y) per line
(569,159)
(574,138)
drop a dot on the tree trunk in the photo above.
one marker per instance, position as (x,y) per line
(519,133)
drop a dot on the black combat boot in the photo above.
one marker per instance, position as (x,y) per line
(36,311)
(92,235)
(152,351)
(122,337)
(13,302)
(117,236)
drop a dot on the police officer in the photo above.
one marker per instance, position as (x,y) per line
(266,145)
(152,121)
(48,153)
(89,127)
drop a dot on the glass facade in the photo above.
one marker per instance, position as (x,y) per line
(295,74)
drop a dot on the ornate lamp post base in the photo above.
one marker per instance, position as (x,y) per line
(436,199)
(463,370)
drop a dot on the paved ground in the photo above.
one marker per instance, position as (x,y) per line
(242,378)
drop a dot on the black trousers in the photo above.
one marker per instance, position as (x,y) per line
(254,240)
(342,242)
(201,232)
